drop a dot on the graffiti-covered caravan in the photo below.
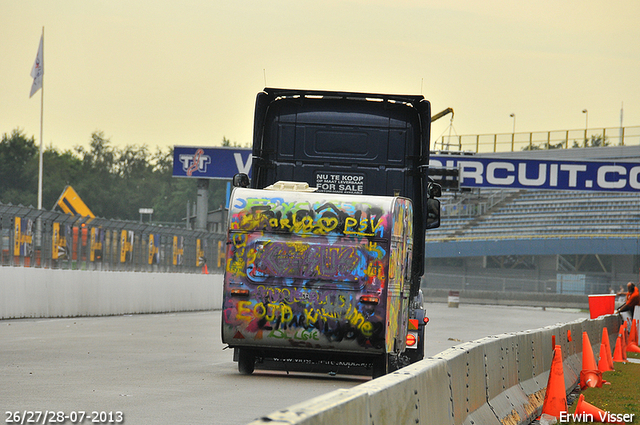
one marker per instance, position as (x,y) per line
(316,276)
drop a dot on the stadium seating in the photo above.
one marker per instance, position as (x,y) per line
(488,214)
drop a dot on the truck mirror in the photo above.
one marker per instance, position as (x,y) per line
(434,190)
(240,180)
(433,213)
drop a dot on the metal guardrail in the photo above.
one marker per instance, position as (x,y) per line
(49,239)
(563,282)
(564,139)
(466,206)
(528,236)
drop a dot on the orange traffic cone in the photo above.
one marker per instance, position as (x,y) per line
(632,341)
(633,333)
(632,347)
(605,340)
(555,397)
(603,363)
(590,376)
(588,359)
(590,413)
(617,352)
(623,331)
(204,269)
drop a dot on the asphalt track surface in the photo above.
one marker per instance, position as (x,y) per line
(173,369)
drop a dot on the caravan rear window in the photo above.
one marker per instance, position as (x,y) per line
(319,261)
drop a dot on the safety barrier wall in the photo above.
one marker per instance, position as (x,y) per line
(495,380)
(33,292)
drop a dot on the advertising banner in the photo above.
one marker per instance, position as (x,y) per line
(201,260)
(126,246)
(97,240)
(59,250)
(178,250)
(479,171)
(154,248)
(23,237)
(475,171)
(210,163)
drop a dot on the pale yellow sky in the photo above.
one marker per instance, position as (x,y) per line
(166,73)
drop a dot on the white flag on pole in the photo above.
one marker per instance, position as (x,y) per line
(38,69)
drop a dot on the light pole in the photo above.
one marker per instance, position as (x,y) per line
(513,133)
(586,126)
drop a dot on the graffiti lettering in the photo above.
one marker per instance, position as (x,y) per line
(274,294)
(335,309)
(244,312)
(375,269)
(304,335)
(362,227)
(304,218)
(270,312)
(376,251)
(308,261)
(352,315)
(301,335)
(236,263)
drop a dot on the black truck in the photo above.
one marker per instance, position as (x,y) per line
(351,144)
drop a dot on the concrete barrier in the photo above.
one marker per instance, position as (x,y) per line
(32,292)
(419,393)
(467,380)
(495,380)
(532,372)
(506,397)
(336,407)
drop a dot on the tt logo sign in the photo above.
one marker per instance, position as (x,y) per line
(196,162)
(210,163)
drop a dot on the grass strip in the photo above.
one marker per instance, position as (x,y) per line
(622,396)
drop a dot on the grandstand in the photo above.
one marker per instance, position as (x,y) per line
(537,240)
(536,214)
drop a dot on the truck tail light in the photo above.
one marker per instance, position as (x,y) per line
(369,299)
(239,292)
(412,340)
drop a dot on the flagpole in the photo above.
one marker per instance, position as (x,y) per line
(41,122)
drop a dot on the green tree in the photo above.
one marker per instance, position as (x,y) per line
(19,168)
(170,194)
(113,182)
(543,146)
(531,147)
(59,170)
(227,143)
(596,140)
(99,186)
